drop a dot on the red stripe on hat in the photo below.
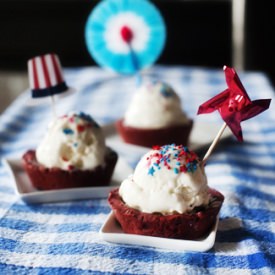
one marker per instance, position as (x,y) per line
(45,71)
(56,69)
(35,76)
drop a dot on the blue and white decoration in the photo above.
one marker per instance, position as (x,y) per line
(125,35)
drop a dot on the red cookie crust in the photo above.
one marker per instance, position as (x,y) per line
(178,134)
(44,178)
(177,226)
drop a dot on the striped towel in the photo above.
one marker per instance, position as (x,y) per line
(63,238)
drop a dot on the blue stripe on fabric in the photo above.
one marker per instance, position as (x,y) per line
(25,270)
(48,228)
(256,260)
(7,136)
(242,177)
(259,215)
(260,260)
(237,151)
(86,207)
(209,259)
(247,193)
(243,233)
(262,130)
(243,164)
(5,151)
(268,143)
(245,177)
(18,120)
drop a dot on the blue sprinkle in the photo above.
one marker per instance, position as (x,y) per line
(88,118)
(75,144)
(166,91)
(176,170)
(151,171)
(68,131)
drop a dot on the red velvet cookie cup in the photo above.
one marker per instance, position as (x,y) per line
(44,178)
(177,226)
(178,134)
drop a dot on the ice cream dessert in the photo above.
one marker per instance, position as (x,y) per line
(72,154)
(167,196)
(154,116)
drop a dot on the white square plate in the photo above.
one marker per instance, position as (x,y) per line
(30,194)
(111,232)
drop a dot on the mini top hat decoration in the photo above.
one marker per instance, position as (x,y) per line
(46,77)
(125,35)
(234,106)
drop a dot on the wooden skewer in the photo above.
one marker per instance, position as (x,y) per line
(214,144)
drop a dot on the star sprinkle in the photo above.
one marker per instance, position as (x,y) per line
(234,104)
(151,171)
(172,157)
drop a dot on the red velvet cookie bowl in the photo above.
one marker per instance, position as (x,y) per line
(177,226)
(178,134)
(44,178)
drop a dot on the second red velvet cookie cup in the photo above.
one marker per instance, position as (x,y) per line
(177,226)
(178,134)
(44,178)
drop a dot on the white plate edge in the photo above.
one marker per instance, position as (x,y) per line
(164,243)
(37,196)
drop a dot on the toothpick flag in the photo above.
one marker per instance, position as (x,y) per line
(234,104)
(125,35)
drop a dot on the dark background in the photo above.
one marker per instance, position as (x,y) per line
(199,32)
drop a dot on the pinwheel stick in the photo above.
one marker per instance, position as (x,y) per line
(214,143)
(53,106)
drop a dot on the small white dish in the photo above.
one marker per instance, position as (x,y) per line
(25,190)
(111,232)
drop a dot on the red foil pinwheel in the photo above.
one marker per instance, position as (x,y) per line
(234,104)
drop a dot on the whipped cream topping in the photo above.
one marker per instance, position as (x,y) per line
(73,141)
(168,179)
(155,105)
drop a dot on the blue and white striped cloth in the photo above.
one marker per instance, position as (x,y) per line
(62,238)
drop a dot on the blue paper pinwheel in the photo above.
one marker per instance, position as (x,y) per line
(125,35)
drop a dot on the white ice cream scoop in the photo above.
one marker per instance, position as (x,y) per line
(155,105)
(168,179)
(74,141)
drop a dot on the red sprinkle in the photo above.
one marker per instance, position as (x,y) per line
(80,128)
